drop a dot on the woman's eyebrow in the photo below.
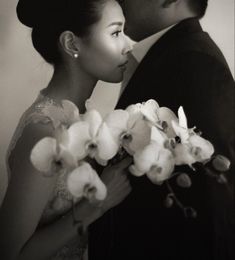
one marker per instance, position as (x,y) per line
(115,23)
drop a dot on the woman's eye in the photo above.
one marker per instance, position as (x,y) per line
(116,33)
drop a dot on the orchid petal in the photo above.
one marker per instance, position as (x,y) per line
(133,118)
(135,171)
(117,121)
(85,177)
(100,161)
(94,119)
(101,192)
(107,145)
(68,158)
(140,136)
(183,133)
(71,111)
(183,155)
(206,149)
(144,159)
(61,135)
(43,154)
(150,110)
(163,168)
(133,109)
(78,138)
(62,138)
(182,118)
(158,136)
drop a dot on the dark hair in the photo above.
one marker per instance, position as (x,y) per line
(49,18)
(199,7)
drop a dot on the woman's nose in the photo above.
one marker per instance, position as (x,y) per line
(128,45)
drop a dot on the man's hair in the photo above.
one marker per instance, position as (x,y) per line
(199,7)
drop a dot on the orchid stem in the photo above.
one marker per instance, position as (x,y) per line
(185,209)
(172,193)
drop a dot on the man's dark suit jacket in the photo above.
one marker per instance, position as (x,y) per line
(186,68)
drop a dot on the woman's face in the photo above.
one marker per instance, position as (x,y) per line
(103,54)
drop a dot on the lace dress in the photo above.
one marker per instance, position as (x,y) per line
(60,200)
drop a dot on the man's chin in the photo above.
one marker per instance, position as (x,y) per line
(134,35)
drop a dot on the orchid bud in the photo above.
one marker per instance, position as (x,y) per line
(169,201)
(184,180)
(222,179)
(190,212)
(221,163)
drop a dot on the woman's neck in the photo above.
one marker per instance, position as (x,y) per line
(71,84)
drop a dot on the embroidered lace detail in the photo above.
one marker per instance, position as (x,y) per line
(43,111)
(34,114)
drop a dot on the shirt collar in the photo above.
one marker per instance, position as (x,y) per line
(141,48)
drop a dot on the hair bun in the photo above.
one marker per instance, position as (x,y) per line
(26,12)
(34,12)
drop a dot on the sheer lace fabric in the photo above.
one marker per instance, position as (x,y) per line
(60,200)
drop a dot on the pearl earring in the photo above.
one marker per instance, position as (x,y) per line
(75,55)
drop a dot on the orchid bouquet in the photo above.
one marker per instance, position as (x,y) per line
(157,139)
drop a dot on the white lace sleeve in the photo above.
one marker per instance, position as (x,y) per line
(46,111)
(32,115)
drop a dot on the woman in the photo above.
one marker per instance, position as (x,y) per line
(84,41)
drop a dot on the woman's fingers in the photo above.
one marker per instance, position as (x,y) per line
(115,178)
(123,164)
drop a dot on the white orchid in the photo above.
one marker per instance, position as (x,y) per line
(155,115)
(154,160)
(89,136)
(65,113)
(145,130)
(192,147)
(130,129)
(85,182)
(92,137)
(148,110)
(50,155)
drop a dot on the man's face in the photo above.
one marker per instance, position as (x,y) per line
(143,17)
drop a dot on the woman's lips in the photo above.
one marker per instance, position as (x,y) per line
(123,66)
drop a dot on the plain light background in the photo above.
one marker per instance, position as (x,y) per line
(23,73)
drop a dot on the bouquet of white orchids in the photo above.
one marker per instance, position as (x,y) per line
(157,139)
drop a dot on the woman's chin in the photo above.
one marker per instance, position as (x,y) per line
(114,79)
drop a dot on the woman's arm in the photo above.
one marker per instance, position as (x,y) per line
(27,195)
(26,198)
(60,232)
(47,240)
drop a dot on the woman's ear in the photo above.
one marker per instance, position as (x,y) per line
(69,43)
(167,3)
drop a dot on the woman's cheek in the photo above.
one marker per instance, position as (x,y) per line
(113,51)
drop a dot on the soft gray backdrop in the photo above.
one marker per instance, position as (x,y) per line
(23,73)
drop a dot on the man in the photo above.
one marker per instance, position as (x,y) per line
(179,65)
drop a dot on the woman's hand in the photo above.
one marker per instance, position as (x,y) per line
(117,183)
